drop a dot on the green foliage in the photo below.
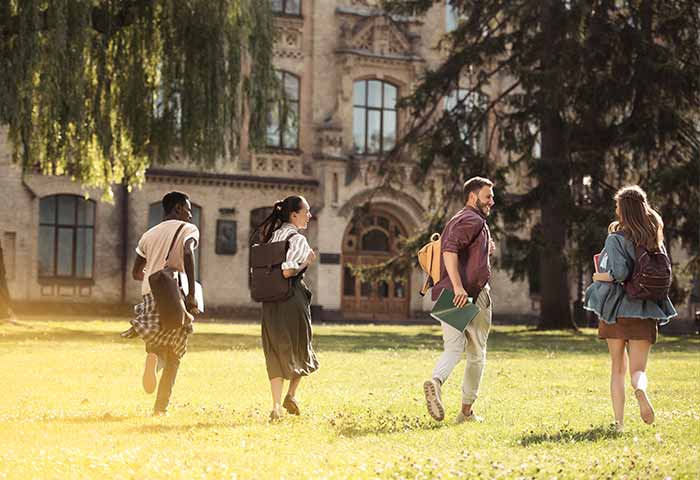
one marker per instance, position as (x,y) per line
(590,96)
(100,90)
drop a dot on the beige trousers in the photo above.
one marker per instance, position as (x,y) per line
(473,342)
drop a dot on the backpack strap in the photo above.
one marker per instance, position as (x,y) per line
(172,243)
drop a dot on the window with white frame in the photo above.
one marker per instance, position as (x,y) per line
(374,117)
(66,237)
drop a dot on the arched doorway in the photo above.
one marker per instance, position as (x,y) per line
(369,239)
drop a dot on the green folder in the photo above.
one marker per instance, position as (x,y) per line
(444,310)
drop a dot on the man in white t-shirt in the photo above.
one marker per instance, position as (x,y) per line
(171,243)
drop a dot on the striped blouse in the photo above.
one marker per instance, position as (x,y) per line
(299,248)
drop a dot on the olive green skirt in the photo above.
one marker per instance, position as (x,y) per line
(286,335)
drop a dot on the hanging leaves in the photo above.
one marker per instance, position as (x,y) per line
(100,90)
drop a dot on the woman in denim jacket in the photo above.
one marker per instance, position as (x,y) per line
(624,321)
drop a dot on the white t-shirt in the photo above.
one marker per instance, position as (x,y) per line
(154,245)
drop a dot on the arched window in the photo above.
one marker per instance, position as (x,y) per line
(374,117)
(155,216)
(66,237)
(288,7)
(283,114)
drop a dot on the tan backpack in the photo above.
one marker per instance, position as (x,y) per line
(430,260)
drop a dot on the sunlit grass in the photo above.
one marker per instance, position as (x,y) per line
(72,406)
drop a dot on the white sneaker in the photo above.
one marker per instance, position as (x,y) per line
(433,399)
(646,411)
(472,417)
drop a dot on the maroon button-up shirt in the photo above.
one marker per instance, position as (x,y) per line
(467,235)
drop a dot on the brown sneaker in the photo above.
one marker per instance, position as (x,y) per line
(646,411)
(149,379)
(431,388)
(291,405)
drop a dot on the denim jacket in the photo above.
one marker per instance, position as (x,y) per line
(608,299)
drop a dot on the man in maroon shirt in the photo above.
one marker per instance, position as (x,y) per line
(466,246)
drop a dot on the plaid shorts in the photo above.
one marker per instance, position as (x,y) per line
(147,326)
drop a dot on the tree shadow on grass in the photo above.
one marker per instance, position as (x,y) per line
(351,339)
(373,423)
(566,435)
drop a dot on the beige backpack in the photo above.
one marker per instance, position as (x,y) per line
(429,260)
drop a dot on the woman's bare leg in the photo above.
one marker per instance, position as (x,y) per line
(293,384)
(639,355)
(618,357)
(276,385)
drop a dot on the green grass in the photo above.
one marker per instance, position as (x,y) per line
(72,407)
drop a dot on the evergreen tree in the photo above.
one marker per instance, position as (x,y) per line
(581,97)
(97,90)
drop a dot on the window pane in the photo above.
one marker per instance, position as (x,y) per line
(155,214)
(399,290)
(375,241)
(389,139)
(358,93)
(66,210)
(389,96)
(273,125)
(374,93)
(358,129)
(291,130)
(293,7)
(383,289)
(276,5)
(47,210)
(46,244)
(83,252)
(348,282)
(365,289)
(64,266)
(373,130)
(86,212)
(291,87)
(197,216)
(451,17)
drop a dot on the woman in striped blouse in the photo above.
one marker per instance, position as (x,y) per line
(286,325)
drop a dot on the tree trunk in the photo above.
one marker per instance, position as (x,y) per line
(4,291)
(555,193)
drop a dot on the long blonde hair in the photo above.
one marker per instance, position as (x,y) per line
(640,223)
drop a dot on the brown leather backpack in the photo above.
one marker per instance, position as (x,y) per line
(267,284)
(652,274)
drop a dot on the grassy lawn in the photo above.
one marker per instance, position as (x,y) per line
(72,407)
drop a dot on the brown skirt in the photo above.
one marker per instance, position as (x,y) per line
(627,328)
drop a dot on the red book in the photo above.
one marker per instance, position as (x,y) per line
(596,262)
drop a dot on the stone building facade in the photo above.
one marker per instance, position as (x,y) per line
(343,64)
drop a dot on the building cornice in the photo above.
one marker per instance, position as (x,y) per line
(228,180)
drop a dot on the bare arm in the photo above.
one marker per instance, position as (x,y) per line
(602,277)
(452,267)
(137,270)
(189,270)
(290,272)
